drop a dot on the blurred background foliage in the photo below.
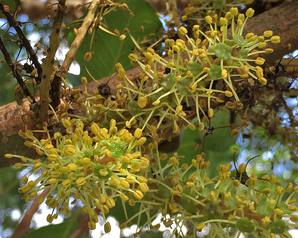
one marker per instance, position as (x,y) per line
(144,26)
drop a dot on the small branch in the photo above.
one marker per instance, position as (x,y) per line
(81,33)
(13,23)
(82,229)
(48,65)
(291,67)
(292,93)
(14,70)
(23,227)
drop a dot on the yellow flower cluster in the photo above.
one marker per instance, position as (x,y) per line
(97,165)
(91,164)
(201,69)
(196,9)
(185,194)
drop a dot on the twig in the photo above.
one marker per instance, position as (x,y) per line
(291,67)
(14,70)
(13,23)
(292,93)
(83,228)
(23,227)
(82,31)
(48,65)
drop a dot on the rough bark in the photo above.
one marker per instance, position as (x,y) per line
(42,9)
(282,20)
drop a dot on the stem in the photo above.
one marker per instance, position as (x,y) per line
(14,70)
(48,65)
(82,229)
(82,31)
(23,227)
(25,42)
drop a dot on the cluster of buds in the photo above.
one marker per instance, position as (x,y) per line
(201,69)
(190,196)
(197,9)
(94,165)
(97,165)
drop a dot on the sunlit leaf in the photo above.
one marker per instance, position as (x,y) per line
(108,49)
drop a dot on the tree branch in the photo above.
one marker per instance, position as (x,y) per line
(82,229)
(290,67)
(81,33)
(48,65)
(13,23)
(283,21)
(14,70)
(23,227)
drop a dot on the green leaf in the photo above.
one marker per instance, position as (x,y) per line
(152,234)
(190,144)
(7,82)
(216,158)
(243,53)
(215,72)
(245,225)
(62,230)
(222,51)
(216,145)
(239,40)
(219,4)
(12,5)
(278,227)
(9,195)
(195,68)
(220,139)
(263,207)
(107,49)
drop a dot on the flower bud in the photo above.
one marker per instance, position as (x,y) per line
(268,33)
(142,101)
(250,12)
(80,181)
(138,195)
(275,39)
(208,19)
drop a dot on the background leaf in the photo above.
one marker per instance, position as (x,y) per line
(118,213)
(152,234)
(215,145)
(107,49)
(62,230)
